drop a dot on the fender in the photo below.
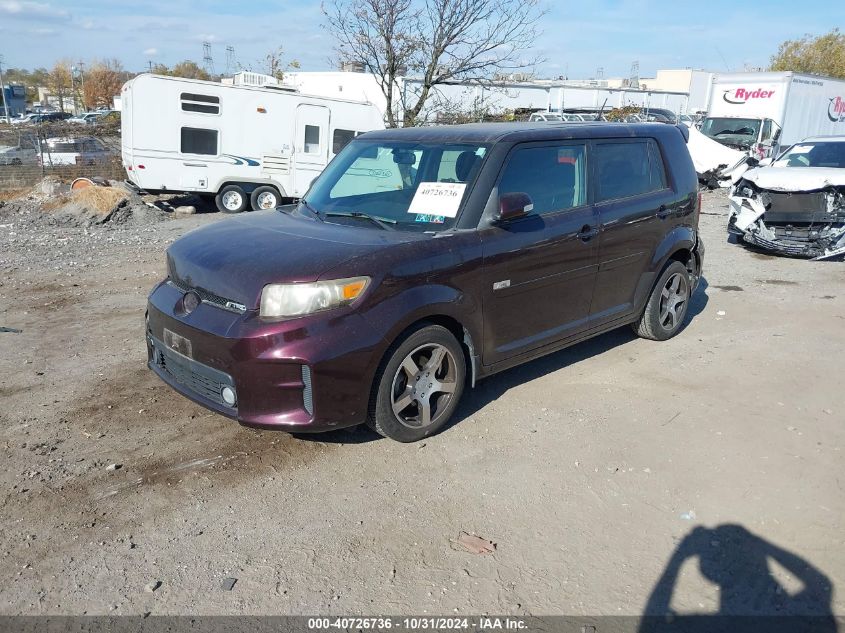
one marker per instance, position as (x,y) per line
(679,238)
(429,301)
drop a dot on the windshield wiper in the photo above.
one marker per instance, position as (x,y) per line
(303,203)
(382,222)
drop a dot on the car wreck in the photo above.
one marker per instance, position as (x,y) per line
(716,165)
(796,205)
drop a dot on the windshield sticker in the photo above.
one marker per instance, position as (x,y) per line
(430,219)
(438,198)
(801,149)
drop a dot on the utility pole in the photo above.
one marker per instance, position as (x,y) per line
(81,65)
(207,61)
(3,91)
(150,65)
(73,89)
(230,60)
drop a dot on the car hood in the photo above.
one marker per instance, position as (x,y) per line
(237,257)
(796,178)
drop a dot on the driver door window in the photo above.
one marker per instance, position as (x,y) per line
(553,176)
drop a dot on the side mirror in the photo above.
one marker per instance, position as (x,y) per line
(514,205)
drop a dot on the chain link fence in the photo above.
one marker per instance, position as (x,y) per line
(65,150)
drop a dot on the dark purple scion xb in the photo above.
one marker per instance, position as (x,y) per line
(422,260)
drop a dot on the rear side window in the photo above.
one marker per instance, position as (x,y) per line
(206,104)
(340,138)
(554,177)
(628,169)
(199,141)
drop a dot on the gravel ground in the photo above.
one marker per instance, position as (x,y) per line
(702,474)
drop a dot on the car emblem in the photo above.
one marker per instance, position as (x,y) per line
(190,301)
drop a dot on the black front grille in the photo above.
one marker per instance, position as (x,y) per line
(201,379)
(209,297)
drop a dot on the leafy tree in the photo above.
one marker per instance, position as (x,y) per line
(59,82)
(438,40)
(186,69)
(103,81)
(820,55)
(275,64)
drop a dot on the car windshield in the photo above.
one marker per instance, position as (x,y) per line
(813,154)
(408,185)
(743,130)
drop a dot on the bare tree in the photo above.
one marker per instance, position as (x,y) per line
(438,40)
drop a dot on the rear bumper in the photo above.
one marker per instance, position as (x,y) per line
(303,375)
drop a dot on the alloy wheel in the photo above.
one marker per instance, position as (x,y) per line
(673,301)
(423,386)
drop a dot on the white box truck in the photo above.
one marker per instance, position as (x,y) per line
(249,144)
(761,112)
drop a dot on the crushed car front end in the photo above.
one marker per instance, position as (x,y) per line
(802,223)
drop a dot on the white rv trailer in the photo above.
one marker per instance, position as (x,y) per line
(249,146)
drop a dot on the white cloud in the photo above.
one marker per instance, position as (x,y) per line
(151,52)
(32,10)
(207,37)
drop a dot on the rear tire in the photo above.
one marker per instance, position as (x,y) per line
(231,199)
(667,306)
(419,386)
(264,198)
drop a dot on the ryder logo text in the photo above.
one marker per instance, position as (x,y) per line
(743,95)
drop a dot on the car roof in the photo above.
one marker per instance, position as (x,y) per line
(518,132)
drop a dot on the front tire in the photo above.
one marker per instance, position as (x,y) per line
(231,199)
(418,389)
(264,198)
(667,306)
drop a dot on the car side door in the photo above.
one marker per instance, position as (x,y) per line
(636,209)
(539,269)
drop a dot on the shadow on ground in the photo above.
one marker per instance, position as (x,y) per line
(751,598)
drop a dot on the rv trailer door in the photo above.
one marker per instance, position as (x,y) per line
(311,145)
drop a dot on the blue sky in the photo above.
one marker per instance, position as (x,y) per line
(576,38)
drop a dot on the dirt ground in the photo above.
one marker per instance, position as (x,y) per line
(703,474)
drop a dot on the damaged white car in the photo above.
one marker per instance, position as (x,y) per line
(796,205)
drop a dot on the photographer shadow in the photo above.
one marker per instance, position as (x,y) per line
(750,597)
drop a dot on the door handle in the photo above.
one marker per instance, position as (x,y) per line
(663,212)
(587,232)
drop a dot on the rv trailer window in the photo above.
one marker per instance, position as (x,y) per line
(200,103)
(340,138)
(198,141)
(312,139)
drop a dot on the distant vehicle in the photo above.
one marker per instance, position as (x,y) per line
(84,150)
(87,118)
(687,120)
(41,117)
(660,115)
(422,260)
(24,152)
(794,206)
(545,116)
(760,113)
(248,146)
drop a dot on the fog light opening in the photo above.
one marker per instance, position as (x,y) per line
(228,395)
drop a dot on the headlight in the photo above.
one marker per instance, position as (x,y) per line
(289,300)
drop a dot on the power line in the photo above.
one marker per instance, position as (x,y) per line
(230,60)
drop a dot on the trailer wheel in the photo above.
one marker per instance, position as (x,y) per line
(264,198)
(231,199)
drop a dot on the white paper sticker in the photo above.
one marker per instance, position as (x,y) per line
(801,149)
(438,198)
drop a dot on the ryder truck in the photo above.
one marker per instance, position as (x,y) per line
(760,113)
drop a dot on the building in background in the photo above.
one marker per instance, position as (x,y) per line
(15,99)
(508,94)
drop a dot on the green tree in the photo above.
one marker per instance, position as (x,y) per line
(818,55)
(186,69)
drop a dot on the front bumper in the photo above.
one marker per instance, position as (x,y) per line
(308,374)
